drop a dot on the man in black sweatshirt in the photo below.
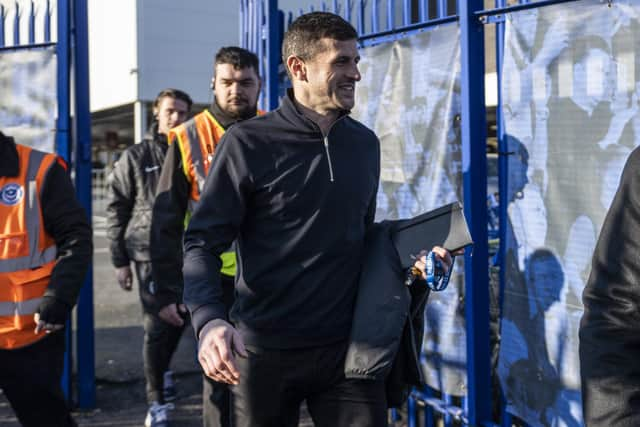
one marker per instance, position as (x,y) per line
(132,192)
(297,189)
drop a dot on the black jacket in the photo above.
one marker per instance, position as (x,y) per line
(65,221)
(610,326)
(132,192)
(388,321)
(299,210)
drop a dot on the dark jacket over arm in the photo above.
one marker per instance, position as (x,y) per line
(66,221)
(610,327)
(167,229)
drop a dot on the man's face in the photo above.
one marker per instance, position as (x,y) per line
(332,75)
(236,90)
(170,113)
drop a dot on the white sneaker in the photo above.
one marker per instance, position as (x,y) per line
(158,415)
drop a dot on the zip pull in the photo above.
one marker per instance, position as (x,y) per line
(326,149)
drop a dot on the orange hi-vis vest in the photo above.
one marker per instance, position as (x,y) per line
(197,140)
(27,252)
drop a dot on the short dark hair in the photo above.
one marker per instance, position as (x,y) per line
(238,57)
(174,94)
(304,34)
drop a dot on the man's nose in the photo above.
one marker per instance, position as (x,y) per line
(354,73)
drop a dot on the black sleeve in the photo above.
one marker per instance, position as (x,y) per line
(609,330)
(122,194)
(66,221)
(167,229)
(213,227)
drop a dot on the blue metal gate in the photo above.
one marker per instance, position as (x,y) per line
(261,29)
(73,143)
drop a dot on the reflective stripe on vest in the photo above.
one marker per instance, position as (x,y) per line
(27,252)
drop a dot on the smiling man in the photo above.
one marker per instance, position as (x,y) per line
(296,189)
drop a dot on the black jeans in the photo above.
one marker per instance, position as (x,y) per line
(30,378)
(160,338)
(273,384)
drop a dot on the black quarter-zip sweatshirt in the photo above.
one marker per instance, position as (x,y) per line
(299,203)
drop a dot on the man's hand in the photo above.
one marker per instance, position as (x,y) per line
(218,343)
(124,277)
(443,255)
(51,316)
(171,314)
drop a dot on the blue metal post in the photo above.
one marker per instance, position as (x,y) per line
(412,415)
(429,420)
(82,125)
(406,12)
(16,26)
(375,16)
(273,54)
(474,168)
(241,30)
(252,28)
(391,14)
(423,9)
(260,47)
(324,7)
(347,12)
(442,8)
(32,24)
(63,143)
(2,16)
(360,17)
(447,418)
(47,23)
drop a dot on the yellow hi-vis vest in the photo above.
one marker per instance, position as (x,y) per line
(27,252)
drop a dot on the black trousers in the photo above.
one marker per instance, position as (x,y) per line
(30,378)
(160,338)
(273,384)
(216,397)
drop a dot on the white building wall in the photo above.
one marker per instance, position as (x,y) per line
(113,64)
(178,40)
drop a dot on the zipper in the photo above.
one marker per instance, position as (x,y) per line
(325,139)
(326,149)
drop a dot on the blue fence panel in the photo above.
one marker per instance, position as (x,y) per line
(476,406)
(41,14)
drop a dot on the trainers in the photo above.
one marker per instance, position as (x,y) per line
(169,392)
(158,415)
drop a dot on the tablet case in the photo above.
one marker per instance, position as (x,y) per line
(445,226)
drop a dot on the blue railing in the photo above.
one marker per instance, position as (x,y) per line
(258,30)
(71,14)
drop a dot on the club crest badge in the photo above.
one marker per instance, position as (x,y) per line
(11,194)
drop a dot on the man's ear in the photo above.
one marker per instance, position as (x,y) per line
(297,68)
(213,83)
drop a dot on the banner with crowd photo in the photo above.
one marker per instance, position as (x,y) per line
(28,96)
(571,116)
(410,96)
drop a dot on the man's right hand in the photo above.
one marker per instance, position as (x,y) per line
(124,277)
(219,341)
(171,315)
